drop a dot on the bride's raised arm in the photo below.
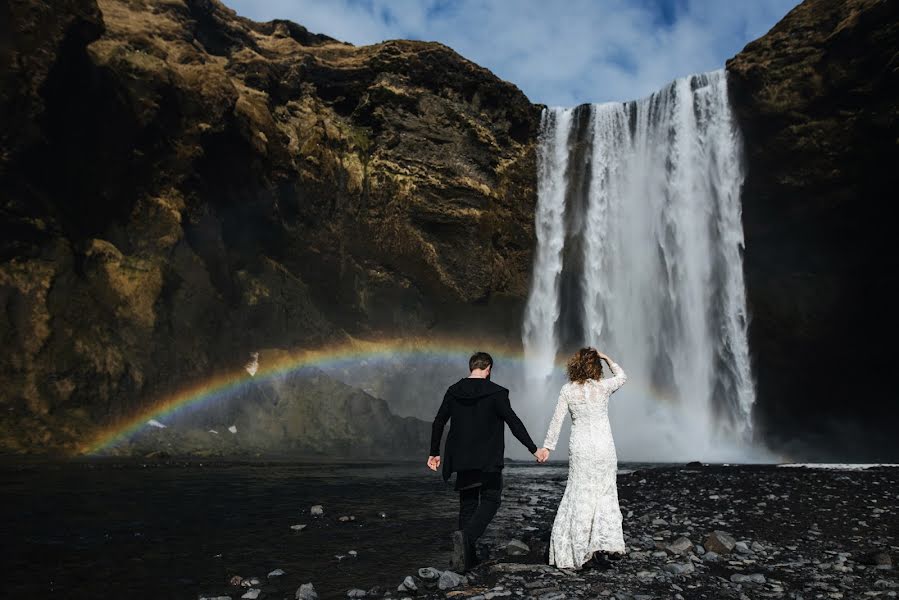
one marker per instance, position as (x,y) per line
(555,425)
(618,375)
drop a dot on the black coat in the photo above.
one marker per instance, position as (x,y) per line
(477,410)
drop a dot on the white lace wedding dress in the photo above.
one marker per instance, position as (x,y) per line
(589,518)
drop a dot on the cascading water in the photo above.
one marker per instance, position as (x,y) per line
(639,242)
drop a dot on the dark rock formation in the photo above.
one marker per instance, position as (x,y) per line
(182,186)
(302,414)
(817,102)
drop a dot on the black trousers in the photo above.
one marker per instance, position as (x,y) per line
(478,505)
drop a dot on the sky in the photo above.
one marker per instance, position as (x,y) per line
(559,52)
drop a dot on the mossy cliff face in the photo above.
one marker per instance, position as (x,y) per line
(182,186)
(818,103)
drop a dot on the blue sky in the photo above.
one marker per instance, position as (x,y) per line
(559,52)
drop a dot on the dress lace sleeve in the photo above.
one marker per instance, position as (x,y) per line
(617,379)
(555,425)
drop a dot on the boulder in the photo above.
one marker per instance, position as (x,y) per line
(719,542)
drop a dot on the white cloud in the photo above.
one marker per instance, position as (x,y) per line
(559,52)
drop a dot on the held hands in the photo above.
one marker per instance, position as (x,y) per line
(433,462)
(542,455)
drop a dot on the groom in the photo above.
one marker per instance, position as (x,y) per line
(474,451)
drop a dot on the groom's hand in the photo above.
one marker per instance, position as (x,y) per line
(542,455)
(433,462)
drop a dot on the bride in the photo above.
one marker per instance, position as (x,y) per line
(588,521)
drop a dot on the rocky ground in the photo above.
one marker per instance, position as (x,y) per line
(694,532)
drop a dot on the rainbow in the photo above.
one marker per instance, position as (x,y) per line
(274,363)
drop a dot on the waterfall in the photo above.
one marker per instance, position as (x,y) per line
(639,253)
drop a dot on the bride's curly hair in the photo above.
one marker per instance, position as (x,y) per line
(585,364)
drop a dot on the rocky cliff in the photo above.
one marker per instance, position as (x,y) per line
(182,186)
(818,102)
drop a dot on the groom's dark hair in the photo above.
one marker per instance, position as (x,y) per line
(480,360)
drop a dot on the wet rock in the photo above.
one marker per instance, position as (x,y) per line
(235,580)
(252,594)
(679,546)
(346,518)
(744,578)
(306,592)
(679,568)
(317,510)
(356,593)
(719,542)
(429,573)
(710,557)
(742,548)
(276,573)
(449,580)
(517,548)
(409,584)
(298,527)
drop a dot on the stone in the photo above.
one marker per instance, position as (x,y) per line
(276,573)
(429,573)
(298,527)
(719,542)
(408,585)
(356,593)
(252,594)
(306,592)
(679,546)
(317,510)
(679,568)
(517,548)
(449,580)
(742,548)
(757,578)
(710,557)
